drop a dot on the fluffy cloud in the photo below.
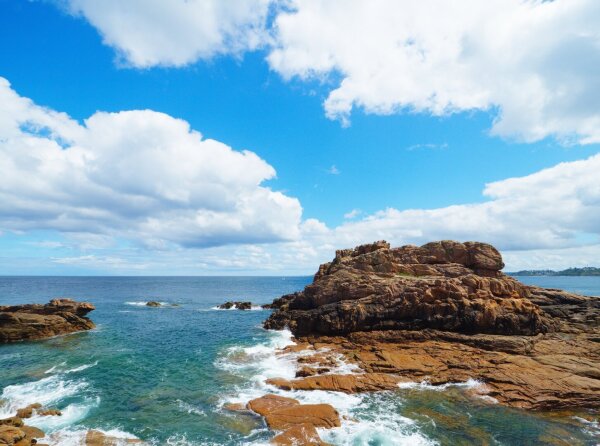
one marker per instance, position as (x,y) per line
(555,210)
(535,61)
(531,63)
(154,32)
(138,175)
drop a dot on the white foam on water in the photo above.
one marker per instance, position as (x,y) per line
(189,408)
(262,361)
(143,303)
(81,368)
(71,414)
(425,385)
(54,368)
(47,391)
(76,437)
(216,308)
(591,428)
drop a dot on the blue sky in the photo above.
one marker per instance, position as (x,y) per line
(394,152)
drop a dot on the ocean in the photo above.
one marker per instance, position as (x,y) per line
(163,374)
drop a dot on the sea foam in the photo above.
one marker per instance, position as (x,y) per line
(381,423)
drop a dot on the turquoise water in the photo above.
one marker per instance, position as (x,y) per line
(163,374)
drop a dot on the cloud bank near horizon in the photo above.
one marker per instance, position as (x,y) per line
(530,63)
(175,198)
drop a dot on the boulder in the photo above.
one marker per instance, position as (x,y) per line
(297,421)
(27,412)
(238,305)
(153,303)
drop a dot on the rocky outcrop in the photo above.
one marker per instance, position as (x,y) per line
(14,432)
(235,305)
(297,422)
(444,313)
(35,321)
(153,303)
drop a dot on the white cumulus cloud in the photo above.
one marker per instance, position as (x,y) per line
(532,62)
(138,175)
(146,33)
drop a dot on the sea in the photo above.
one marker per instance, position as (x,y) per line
(163,374)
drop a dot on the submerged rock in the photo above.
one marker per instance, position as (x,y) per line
(97,438)
(444,313)
(35,321)
(235,304)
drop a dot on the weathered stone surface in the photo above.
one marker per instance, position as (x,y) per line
(10,435)
(303,434)
(364,382)
(34,321)
(270,403)
(27,412)
(297,421)
(444,285)
(317,415)
(444,313)
(236,305)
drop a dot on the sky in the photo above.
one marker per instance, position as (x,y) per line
(201,137)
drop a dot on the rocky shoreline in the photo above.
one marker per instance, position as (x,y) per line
(14,431)
(443,313)
(34,321)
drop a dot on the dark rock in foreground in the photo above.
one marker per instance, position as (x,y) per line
(236,304)
(444,312)
(36,321)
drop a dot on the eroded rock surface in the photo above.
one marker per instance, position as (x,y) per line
(443,313)
(35,321)
(296,422)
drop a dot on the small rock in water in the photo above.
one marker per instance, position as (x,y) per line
(297,421)
(27,412)
(153,303)
(235,304)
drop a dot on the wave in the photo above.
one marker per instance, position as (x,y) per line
(144,303)
(425,385)
(252,308)
(367,418)
(189,408)
(47,391)
(71,415)
(76,437)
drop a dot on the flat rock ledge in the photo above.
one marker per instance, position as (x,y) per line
(444,313)
(295,423)
(35,321)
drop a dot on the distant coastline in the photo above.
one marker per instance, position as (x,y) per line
(587,271)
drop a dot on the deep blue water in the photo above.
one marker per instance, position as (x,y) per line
(163,374)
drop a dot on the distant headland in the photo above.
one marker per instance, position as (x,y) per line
(587,271)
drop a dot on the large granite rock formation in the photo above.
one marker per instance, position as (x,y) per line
(444,312)
(35,321)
